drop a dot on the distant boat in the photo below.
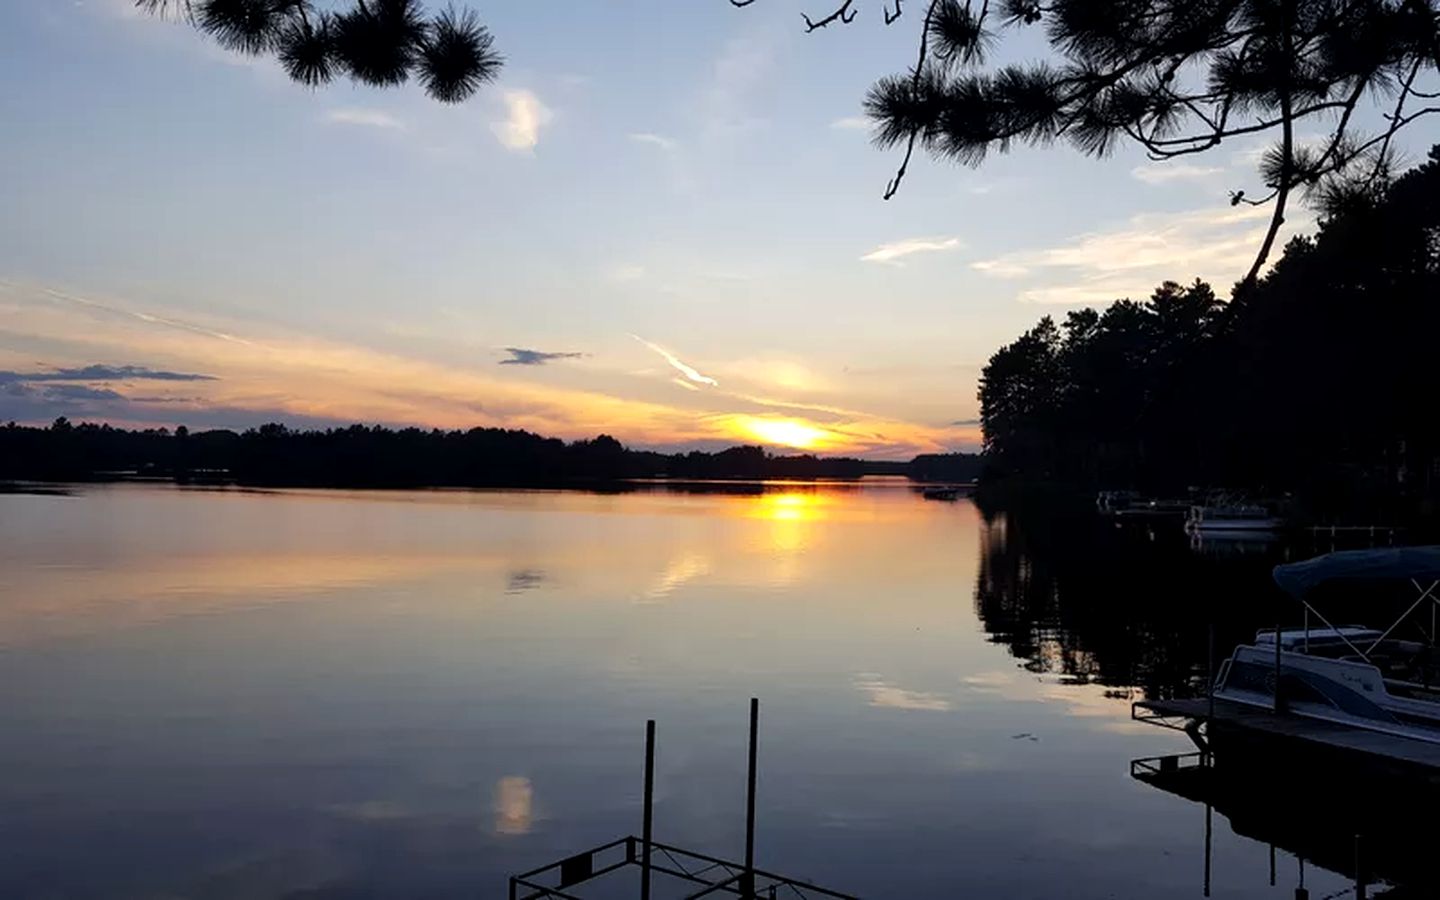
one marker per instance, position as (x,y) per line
(1115,501)
(1131,505)
(1231,518)
(941,493)
(1154,509)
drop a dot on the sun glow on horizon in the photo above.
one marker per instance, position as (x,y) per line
(786,432)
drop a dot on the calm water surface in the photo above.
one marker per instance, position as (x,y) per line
(306,694)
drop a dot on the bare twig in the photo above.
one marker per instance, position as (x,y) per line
(889,16)
(844,14)
(894,184)
(1287,160)
(741,2)
(1238,197)
(1395,119)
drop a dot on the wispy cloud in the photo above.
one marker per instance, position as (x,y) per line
(519,356)
(525,116)
(366,118)
(851,123)
(626,272)
(880,692)
(1217,244)
(741,70)
(657,140)
(897,250)
(1164,173)
(102,373)
(1250,157)
(965,423)
(139,316)
(679,366)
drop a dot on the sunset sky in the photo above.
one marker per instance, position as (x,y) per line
(663,223)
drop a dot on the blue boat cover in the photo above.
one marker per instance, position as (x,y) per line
(1388,564)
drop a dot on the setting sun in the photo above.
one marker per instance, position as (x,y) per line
(785,432)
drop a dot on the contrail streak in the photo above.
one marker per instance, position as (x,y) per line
(680,367)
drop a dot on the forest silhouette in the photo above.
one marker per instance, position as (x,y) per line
(376,456)
(1316,381)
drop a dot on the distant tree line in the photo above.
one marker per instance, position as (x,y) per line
(1318,379)
(362,456)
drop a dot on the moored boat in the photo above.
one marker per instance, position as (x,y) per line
(1232,518)
(1351,675)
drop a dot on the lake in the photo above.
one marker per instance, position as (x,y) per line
(241,694)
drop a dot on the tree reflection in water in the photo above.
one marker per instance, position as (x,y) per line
(1074,595)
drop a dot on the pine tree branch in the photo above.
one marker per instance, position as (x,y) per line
(839,14)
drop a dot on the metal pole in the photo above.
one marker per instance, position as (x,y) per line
(1208,816)
(649,819)
(1279,704)
(750,799)
(1359,873)
(1272,865)
(1210,690)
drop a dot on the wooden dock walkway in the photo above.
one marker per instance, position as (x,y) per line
(1390,750)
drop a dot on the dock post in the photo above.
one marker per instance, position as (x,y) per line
(647,825)
(749,882)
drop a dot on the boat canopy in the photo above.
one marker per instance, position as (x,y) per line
(1387,564)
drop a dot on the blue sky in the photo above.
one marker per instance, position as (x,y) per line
(649,183)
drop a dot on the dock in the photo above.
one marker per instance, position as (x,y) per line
(696,874)
(1238,723)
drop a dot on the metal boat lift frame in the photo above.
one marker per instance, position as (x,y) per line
(714,876)
(1417,565)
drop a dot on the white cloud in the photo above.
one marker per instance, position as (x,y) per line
(1164,173)
(896,250)
(851,123)
(626,272)
(368,118)
(525,115)
(659,140)
(1217,244)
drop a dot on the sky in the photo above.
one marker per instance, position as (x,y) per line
(664,222)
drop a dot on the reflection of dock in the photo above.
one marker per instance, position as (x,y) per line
(1364,836)
(1236,722)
